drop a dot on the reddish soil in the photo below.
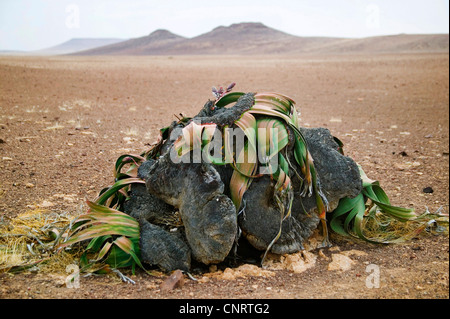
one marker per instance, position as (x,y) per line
(64,121)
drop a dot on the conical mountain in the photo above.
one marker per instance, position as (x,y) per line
(157,42)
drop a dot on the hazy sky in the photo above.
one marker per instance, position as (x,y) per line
(33,24)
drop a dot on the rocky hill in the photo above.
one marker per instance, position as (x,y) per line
(258,39)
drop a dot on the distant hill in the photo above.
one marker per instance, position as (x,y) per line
(250,38)
(247,38)
(76,44)
(241,38)
(12,52)
(401,43)
(157,42)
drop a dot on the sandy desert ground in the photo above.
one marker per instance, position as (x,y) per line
(64,121)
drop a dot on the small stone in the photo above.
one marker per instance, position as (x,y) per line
(151,286)
(340,262)
(29,185)
(334,249)
(322,255)
(229,274)
(428,190)
(175,280)
(204,279)
(213,268)
(46,204)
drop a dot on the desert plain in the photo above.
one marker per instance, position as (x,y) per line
(65,119)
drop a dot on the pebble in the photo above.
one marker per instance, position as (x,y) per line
(322,255)
(340,262)
(151,286)
(213,268)
(175,280)
(46,203)
(407,165)
(29,185)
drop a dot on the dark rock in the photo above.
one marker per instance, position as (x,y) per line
(145,168)
(428,190)
(209,216)
(338,176)
(163,249)
(225,116)
(261,218)
(142,204)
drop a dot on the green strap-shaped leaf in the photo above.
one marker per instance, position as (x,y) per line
(126,159)
(103,252)
(378,194)
(355,211)
(272,138)
(247,123)
(358,209)
(399,213)
(302,156)
(345,206)
(101,230)
(96,243)
(129,247)
(244,172)
(228,98)
(277,101)
(114,188)
(246,162)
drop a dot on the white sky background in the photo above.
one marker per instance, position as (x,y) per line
(34,24)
